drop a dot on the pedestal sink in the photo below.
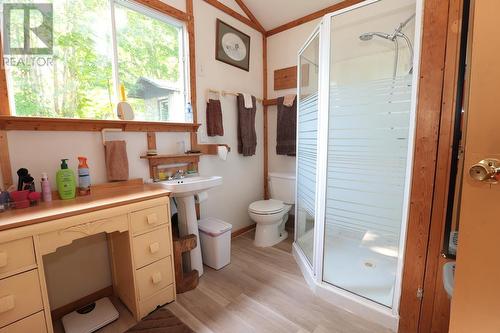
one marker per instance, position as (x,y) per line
(184,190)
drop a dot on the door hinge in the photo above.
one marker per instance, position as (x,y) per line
(420,293)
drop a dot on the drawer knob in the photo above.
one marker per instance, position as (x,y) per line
(152,219)
(156,278)
(3,259)
(154,247)
(7,303)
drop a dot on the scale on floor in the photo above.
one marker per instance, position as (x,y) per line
(91,317)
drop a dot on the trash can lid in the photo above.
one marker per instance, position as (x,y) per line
(213,226)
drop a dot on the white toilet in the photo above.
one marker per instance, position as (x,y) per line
(271,215)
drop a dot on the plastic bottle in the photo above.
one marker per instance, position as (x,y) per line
(83,176)
(189,113)
(46,190)
(65,179)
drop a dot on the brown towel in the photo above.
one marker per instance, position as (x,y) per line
(116,160)
(286,129)
(214,118)
(247,138)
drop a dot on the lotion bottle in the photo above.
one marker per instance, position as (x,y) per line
(83,176)
(65,179)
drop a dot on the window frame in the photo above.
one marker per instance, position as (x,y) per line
(153,9)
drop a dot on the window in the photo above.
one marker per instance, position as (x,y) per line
(99,45)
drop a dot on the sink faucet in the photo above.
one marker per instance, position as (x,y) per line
(180,174)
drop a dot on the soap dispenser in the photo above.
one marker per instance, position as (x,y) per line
(65,179)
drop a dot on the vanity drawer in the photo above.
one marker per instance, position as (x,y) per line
(163,297)
(16,255)
(153,278)
(151,246)
(146,219)
(20,297)
(32,324)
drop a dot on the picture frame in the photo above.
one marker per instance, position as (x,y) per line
(232,46)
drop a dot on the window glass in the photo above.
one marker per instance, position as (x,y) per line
(91,58)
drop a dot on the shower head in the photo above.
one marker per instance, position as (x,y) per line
(369,36)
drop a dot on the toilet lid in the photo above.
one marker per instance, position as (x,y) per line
(270,206)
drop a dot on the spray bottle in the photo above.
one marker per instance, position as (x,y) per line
(83,176)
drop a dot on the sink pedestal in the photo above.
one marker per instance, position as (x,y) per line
(188,224)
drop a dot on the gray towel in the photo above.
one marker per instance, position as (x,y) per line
(214,118)
(247,138)
(286,129)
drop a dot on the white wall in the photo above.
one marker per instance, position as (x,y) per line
(243,176)
(282,50)
(42,151)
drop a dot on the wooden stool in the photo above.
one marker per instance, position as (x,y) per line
(184,281)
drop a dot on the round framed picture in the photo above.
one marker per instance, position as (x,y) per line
(232,46)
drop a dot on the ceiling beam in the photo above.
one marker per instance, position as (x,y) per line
(235,14)
(164,8)
(249,13)
(312,16)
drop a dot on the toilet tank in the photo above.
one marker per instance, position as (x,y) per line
(282,187)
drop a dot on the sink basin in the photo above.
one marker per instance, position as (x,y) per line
(184,190)
(190,185)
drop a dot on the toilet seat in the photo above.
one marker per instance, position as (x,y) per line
(267,207)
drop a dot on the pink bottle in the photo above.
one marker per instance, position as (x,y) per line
(46,190)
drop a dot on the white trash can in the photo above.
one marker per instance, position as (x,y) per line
(215,239)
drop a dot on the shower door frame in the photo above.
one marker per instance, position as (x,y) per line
(314,275)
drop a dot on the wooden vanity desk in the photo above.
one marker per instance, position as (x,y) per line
(136,220)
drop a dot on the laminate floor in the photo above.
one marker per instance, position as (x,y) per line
(262,290)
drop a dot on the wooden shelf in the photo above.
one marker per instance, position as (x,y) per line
(90,125)
(174,158)
(269,102)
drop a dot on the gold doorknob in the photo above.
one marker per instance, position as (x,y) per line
(486,171)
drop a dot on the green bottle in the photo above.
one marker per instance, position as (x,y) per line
(65,179)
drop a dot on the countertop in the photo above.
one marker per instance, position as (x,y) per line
(46,211)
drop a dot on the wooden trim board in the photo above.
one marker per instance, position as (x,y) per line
(250,15)
(312,16)
(435,310)
(90,125)
(435,28)
(265,117)
(165,9)
(5,167)
(243,230)
(235,15)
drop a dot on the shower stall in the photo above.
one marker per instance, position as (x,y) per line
(357,86)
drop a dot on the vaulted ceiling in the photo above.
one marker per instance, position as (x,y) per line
(273,13)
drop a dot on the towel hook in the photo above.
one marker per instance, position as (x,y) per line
(105,130)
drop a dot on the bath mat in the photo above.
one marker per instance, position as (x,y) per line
(160,321)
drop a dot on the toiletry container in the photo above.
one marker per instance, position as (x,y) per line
(65,179)
(83,176)
(215,239)
(46,190)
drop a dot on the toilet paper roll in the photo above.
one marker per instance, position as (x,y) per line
(200,197)
(222,152)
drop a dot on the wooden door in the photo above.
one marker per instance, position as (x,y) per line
(476,300)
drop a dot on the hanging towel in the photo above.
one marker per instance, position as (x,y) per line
(247,138)
(115,153)
(214,118)
(249,100)
(286,128)
(289,99)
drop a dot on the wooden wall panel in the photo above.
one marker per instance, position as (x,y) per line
(285,78)
(432,62)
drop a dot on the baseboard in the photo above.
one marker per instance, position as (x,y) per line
(243,230)
(65,309)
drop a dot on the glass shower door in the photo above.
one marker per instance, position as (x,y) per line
(307,145)
(370,92)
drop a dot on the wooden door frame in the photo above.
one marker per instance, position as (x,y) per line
(431,170)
